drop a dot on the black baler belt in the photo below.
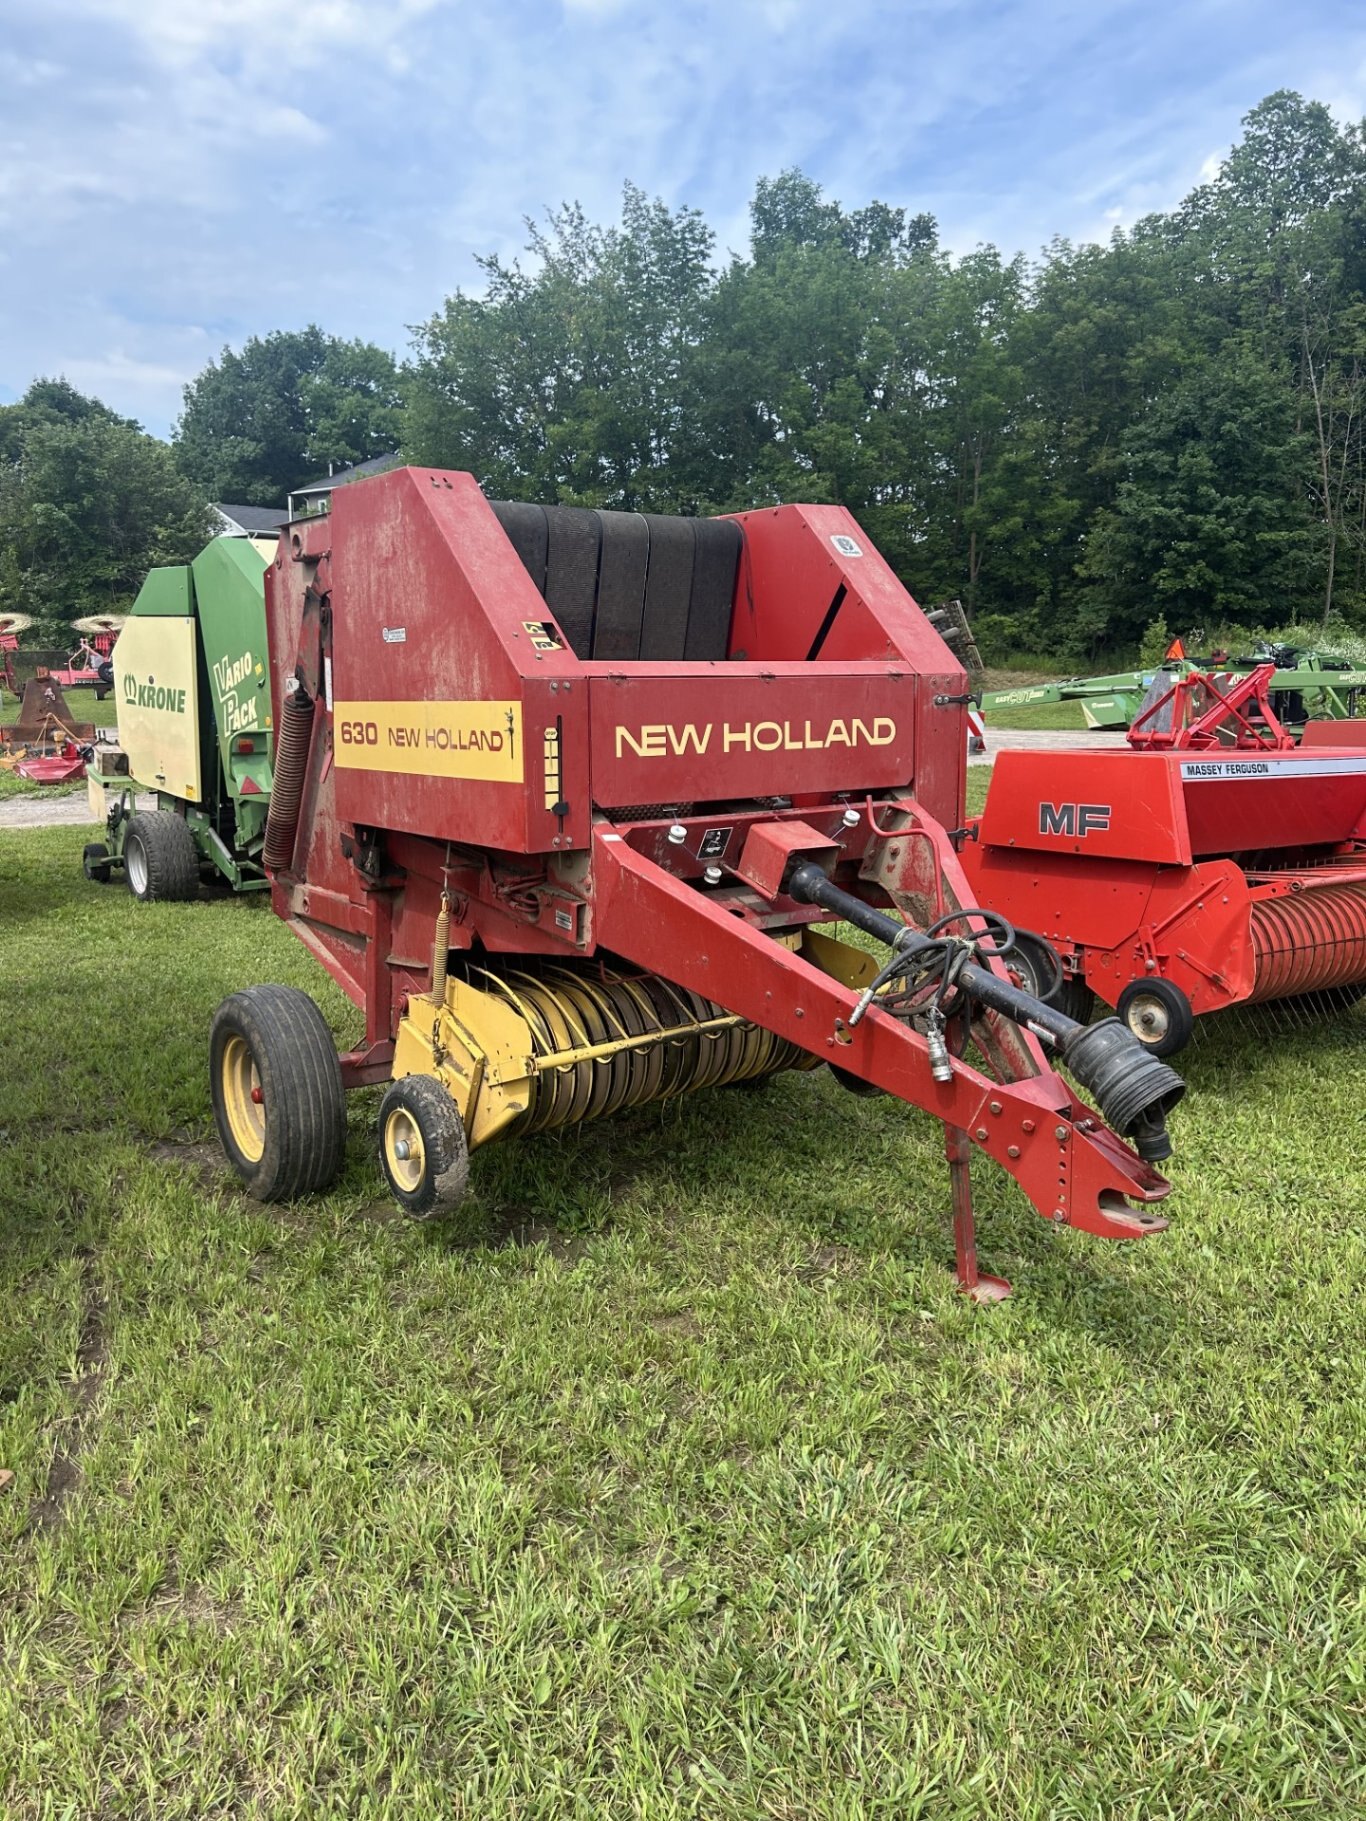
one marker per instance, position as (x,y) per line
(621,586)
(668,588)
(526,531)
(716,557)
(571,574)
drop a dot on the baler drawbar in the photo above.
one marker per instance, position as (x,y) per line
(568,802)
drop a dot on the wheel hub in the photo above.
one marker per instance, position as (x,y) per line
(1148,1020)
(404,1149)
(243,1099)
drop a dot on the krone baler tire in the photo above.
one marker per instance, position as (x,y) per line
(432,1178)
(272,1041)
(160,859)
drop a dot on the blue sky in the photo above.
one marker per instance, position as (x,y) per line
(178,174)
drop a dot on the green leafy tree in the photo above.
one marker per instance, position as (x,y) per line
(573,379)
(1209,523)
(1171,423)
(88,503)
(291,405)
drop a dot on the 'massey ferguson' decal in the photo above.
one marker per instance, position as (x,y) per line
(431,739)
(665,740)
(1075,819)
(1202,770)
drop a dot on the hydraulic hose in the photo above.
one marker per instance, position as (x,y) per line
(1133,1088)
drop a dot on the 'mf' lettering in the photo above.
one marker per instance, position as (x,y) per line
(1075,819)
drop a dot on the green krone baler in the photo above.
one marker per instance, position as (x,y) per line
(193,690)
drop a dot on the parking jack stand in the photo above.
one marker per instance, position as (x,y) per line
(971,1282)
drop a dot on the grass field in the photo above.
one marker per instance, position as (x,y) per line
(673,1479)
(81,702)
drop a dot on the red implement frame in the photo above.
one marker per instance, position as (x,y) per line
(1204,710)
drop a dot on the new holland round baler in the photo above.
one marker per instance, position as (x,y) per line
(569,802)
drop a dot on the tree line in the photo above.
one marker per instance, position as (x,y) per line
(1168,426)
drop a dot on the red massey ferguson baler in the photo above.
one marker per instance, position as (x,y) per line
(567,802)
(1211,862)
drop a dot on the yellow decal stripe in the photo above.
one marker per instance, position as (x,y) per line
(431,739)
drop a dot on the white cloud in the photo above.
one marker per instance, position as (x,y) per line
(278,32)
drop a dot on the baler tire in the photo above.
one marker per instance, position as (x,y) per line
(432,1174)
(1076,999)
(270,1049)
(160,859)
(855,1084)
(95,862)
(1037,967)
(1165,1023)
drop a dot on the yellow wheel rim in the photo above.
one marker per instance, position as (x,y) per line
(404,1151)
(241,1099)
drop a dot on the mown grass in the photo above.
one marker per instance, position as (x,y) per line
(673,1479)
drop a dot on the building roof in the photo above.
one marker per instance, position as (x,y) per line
(356,472)
(253,519)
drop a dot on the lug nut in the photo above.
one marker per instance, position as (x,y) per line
(678,834)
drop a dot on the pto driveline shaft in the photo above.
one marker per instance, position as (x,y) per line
(1134,1091)
(809,885)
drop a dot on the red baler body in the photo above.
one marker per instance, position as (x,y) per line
(600,811)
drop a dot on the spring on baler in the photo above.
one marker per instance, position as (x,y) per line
(287,785)
(659,1040)
(1308,941)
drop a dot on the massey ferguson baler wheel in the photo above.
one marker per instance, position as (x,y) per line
(1036,966)
(277,1092)
(1076,999)
(1159,1015)
(160,859)
(422,1147)
(95,862)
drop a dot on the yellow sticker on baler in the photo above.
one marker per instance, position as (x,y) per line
(431,739)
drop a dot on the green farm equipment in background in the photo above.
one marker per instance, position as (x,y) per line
(192,686)
(1106,702)
(1307,686)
